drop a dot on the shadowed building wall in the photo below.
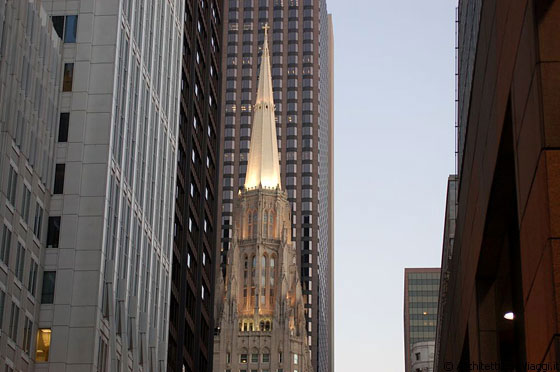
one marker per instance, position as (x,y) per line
(506,252)
(191,319)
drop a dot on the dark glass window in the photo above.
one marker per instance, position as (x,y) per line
(70,29)
(58,24)
(66,27)
(47,293)
(59,179)
(63,127)
(68,77)
(53,232)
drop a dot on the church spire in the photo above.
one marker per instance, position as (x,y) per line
(263,167)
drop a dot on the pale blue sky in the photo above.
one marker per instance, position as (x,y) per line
(394,148)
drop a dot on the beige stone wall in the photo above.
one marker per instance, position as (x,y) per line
(254,333)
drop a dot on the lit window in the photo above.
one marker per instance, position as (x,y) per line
(68,77)
(296,357)
(243,358)
(43,345)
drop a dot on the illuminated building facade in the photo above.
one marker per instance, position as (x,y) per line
(260,308)
(301,48)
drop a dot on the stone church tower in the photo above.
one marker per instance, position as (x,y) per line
(260,319)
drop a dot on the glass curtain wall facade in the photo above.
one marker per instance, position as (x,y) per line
(421,291)
(301,43)
(191,327)
(110,229)
(30,77)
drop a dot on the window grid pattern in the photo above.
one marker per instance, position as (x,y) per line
(300,74)
(31,68)
(138,229)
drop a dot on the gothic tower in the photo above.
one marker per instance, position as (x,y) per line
(260,319)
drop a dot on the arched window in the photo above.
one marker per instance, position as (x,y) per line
(249,224)
(263,280)
(265,224)
(245,279)
(245,270)
(271,229)
(271,276)
(261,326)
(253,280)
(255,224)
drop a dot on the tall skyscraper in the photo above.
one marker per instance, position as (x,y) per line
(301,63)
(191,327)
(110,227)
(421,291)
(260,310)
(502,298)
(30,77)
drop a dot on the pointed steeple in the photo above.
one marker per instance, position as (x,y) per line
(263,167)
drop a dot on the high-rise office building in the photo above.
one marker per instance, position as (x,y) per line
(301,63)
(191,319)
(110,227)
(30,77)
(501,305)
(421,291)
(260,310)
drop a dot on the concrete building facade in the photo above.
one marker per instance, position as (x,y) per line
(30,80)
(421,290)
(110,228)
(502,296)
(301,62)
(260,313)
